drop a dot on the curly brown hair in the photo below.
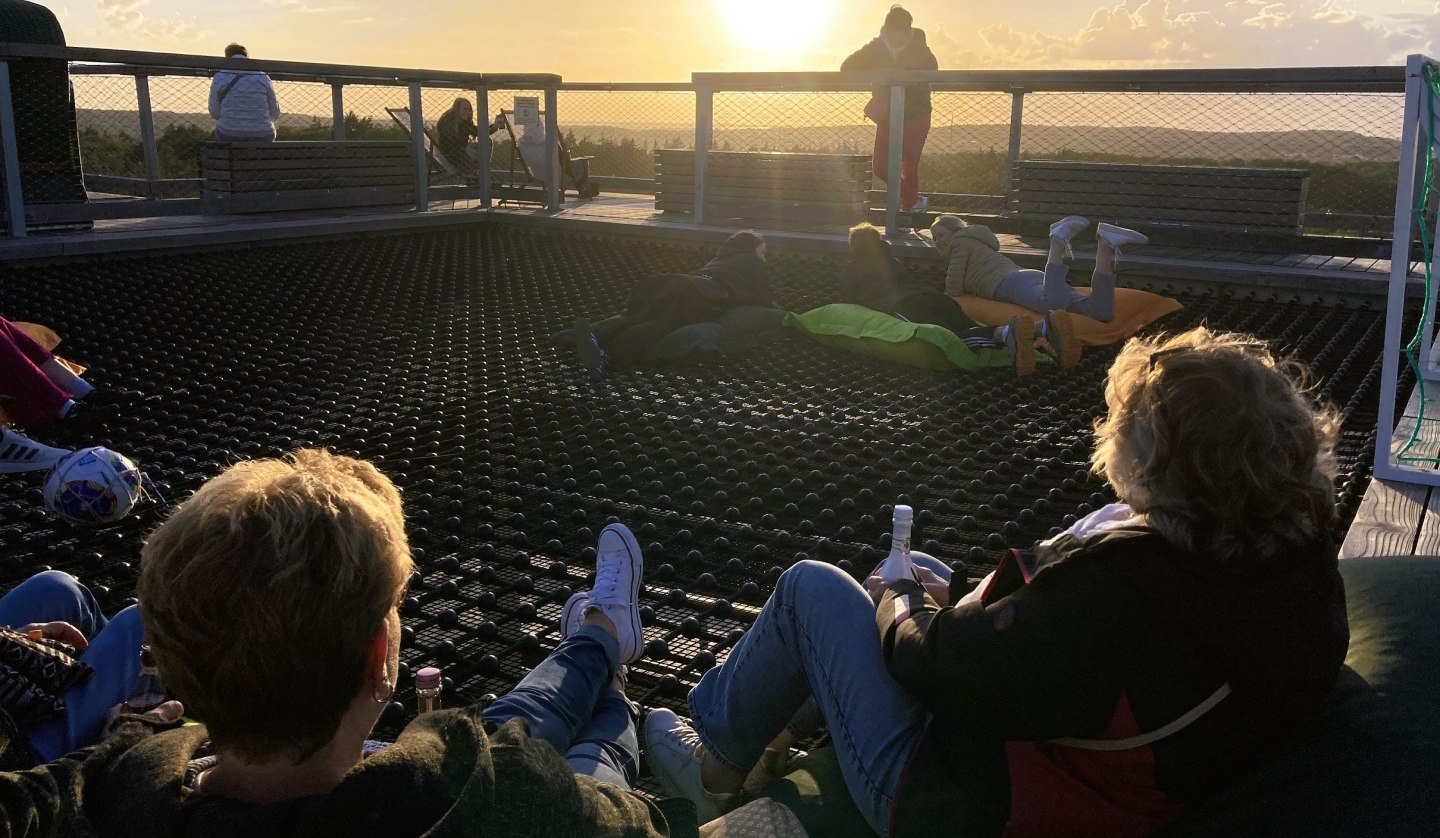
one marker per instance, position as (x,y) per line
(1219,444)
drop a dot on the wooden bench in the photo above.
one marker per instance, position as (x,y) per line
(1170,203)
(308,174)
(762,187)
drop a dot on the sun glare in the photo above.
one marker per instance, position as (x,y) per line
(774,30)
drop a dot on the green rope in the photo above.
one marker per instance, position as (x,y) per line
(1431,74)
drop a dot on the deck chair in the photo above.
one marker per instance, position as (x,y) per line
(527,161)
(438,162)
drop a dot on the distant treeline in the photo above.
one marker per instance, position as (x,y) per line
(1361,187)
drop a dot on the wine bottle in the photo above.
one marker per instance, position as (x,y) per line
(897,565)
(149,691)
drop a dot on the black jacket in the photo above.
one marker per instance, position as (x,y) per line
(877,282)
(915,56)
(743,277)
(1119,634)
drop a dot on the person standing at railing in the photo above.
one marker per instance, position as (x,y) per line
(900,46)
(454,133)
(242,102)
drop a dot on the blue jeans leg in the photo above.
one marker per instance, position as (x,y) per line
(50,596)
(114,653)
(607,748)
(816,636)
(558,698)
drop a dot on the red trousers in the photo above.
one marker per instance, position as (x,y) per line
(37,399)
(916,131)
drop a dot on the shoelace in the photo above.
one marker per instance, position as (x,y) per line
(607,582)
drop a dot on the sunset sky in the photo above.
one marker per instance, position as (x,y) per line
(666,40)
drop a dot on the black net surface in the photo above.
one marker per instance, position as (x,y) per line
(430,355)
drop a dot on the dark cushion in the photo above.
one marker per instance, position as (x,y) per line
(1369,768)
(739,329)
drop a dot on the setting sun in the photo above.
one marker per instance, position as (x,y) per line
(775,30)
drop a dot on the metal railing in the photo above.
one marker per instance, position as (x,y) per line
(185,77)
(1342,124)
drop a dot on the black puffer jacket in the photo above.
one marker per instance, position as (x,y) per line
(742,275)
(915,56)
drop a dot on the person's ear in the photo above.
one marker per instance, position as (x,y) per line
(377,658)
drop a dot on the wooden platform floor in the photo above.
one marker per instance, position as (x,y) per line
(1402,518)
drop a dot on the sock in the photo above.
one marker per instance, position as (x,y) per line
(1040,328)
(65,379)
(65,408)
(1004,335)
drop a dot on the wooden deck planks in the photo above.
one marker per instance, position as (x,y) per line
(1401,518)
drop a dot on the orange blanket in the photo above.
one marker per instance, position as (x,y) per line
(1134,310)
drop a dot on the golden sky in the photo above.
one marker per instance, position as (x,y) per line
(666,40)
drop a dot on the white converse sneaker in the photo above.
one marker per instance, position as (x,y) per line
(922,204)
(675,754)
(573,613)
(20,453)
(1118,237)
(1068,227)
(618,566)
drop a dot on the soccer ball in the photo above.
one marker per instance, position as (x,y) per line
(92,486)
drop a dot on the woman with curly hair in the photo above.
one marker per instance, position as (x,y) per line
(1098,684)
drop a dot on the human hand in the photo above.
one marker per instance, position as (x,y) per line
(165,713)
(58,630)
(937,588)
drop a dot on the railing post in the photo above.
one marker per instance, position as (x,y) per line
(337,111)
(704,135)
(147,134)
(553,186)
(483,148)
(1012,155)
(9,142)
(417,145)
(895,160)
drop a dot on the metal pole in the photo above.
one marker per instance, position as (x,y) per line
(417,146)
(704,134)
(486,151)
(14,197)
(1387,466)
(337,111)
(147,133)
(897,142)
(1017,124)
(552,150)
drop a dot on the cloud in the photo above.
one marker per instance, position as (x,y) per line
(357,21)
(1178,33)
(301,7)
(123,14)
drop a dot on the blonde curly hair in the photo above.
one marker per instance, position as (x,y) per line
(1219,445)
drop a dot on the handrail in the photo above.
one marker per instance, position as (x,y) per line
(1271,80)
(163,60)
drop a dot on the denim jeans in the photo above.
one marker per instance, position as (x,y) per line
(1050,290)
(816,637)
(567,701)
(114,654)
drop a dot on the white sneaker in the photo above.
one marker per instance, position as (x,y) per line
(20,453)
(922,204)
(1068,227)
(618,567)
(1118,237)
(675,755)
(573,613)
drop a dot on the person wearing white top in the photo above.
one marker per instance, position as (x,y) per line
(242,102)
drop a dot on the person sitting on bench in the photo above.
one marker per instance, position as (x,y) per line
(454,131)
(875,279)
(660,304)
(976,266)
(1099,684)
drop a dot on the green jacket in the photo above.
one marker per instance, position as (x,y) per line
(449,774)
(975,264)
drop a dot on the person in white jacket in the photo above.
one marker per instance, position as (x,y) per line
(242,102)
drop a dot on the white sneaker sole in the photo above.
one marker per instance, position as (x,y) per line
(637,568)
(573,613)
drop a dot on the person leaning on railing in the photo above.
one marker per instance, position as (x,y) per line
(899,46)
(242,102)
(1099,684)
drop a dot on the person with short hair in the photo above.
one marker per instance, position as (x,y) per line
(1102,682)
(899,46)
(270,600)
(974,265)
(875,279)
(660,304)
(242,101)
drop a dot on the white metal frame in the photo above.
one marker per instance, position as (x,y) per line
(1414,146)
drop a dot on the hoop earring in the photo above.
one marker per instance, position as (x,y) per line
(384,690)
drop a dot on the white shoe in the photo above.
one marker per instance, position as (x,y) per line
(1118,237)
(922,204)
(1068,227)
(573,613)
(20,453)
(618,567)
(675,755)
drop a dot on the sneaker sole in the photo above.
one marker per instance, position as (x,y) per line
(637,567)
(572,613)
